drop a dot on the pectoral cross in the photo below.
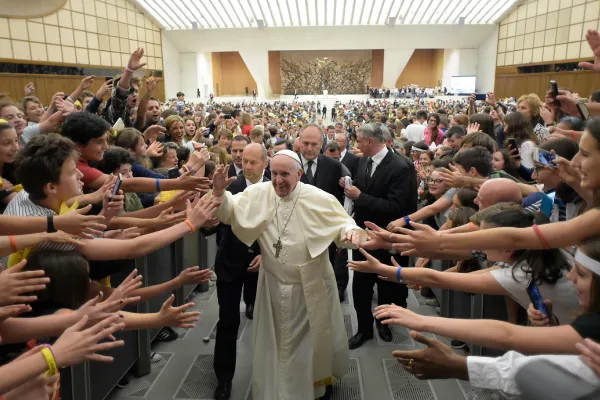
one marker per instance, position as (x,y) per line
(277,247)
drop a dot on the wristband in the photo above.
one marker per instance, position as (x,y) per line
(158,185)
(50,361)
(398,275)
(50,228)
(185,168)
(541,237)
(13,243)
(407,220)
(129,69)
(192,227)
(471,227)
(51,351)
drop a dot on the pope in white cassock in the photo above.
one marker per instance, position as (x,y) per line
(300,341)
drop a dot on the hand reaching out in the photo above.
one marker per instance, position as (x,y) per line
(78,344)
(105,89)
(135,61)
(156,148)
(474,127)
(590,354)
(77,223)
(151,84)
(593,38)
(194,276)
(87,82)
(14,283)
(29,89)
(177,316)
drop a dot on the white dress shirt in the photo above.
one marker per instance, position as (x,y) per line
(248,183)
(343,154)
(378,158)
(237,170)
(499,373)
(313,167)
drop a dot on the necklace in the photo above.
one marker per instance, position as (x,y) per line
(277,246)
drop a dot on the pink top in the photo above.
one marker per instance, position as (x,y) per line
(429,139)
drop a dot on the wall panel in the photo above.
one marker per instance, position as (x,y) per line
(230,74)
(377,68)
(424,68)
(47,85)
(581,82)
(275,71)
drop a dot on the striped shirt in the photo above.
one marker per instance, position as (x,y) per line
(21,205)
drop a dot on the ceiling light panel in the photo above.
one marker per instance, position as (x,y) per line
(215,14)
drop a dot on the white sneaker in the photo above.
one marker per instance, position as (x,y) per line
(155,357)
(432,302)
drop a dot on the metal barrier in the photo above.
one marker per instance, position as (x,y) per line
(454,304)
(95,381)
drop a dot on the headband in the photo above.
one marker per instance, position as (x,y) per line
(587,262)
(418,150)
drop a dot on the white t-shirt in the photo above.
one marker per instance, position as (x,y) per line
(565,302)
(415,132)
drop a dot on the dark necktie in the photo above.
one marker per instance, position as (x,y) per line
(369,169)
(309,174)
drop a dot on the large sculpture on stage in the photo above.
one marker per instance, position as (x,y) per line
(319,74)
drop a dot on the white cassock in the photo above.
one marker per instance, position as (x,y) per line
(300,341)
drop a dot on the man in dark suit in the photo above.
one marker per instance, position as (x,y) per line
(384,190)
(236,266)
(349,159)
(320,171)
(238,145)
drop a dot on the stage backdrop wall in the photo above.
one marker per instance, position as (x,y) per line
(339,72)
(425,68)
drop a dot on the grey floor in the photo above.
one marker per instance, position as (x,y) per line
(185,372)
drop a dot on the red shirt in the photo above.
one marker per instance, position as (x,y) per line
(89,174)
(246,130)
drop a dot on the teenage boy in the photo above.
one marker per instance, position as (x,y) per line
(90,134)
(47,169)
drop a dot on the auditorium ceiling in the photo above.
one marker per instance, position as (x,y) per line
(218,14)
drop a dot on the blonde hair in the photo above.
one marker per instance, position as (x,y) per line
(171,119)
(534,102)
(246,119)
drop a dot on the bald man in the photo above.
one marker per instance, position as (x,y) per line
(236,266)
(500,190)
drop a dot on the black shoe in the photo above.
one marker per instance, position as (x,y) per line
(457,344)
(328,393)
(250,311)
(167,334)
(123,382)
(223,391)
(357,340)
(384,331)
(342,294)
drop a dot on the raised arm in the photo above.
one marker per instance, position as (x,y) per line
(109,249)
(490,333)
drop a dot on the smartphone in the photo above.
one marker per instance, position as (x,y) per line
(480,97)
(544,157)
(536,298)
(513,143)
(117,186)
(227,116)
(583,111)
(554,89)
(108,78)
(173,173)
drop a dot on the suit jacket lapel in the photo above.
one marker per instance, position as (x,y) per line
(379,169)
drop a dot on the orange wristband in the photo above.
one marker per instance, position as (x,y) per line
(13,243)
(187,221)
(471,227)
(541,237)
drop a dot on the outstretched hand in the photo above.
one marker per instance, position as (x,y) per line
(220,180)
(435,361)
(16,283)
